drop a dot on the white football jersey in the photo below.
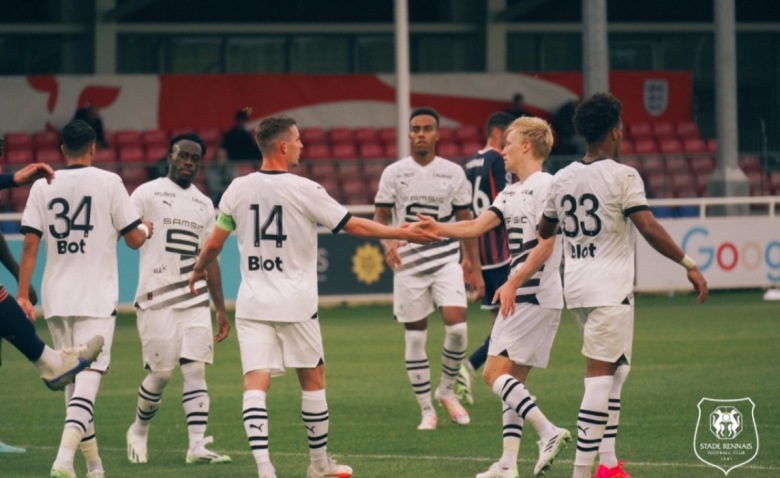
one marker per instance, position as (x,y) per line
(183,219)
(438,190)
(520,206)
(276,216)
(80,217)
(593,202)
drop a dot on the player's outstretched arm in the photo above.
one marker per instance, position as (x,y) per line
(506,293)
(214,283)
(655,235)
(214,245)
(357,226)
(467,229)
(135,237)
(29,256)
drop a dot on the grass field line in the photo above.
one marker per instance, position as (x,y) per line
(431,457)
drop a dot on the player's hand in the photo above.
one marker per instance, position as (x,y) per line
(224,327)
(465,264)
(699,284)
(33,295)
(421,233)
(195,277)
(476,285)
(392,257)
(33,172)
(150,225)
(506,295)
(27,307)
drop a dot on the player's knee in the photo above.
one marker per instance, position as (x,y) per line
(194,371)
(160,379)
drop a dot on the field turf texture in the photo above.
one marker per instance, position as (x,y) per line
(727,348)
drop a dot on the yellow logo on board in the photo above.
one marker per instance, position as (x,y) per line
(368,263)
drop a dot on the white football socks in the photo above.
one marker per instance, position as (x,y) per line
(418,369)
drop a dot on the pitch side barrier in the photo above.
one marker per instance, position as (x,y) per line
(740,249)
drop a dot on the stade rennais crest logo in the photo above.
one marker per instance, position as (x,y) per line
(726,436)
(656,96)
(368,263)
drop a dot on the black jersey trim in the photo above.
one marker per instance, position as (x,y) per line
(526,299)
(549,219)
(130,227)
(456,207)
(343,223)
(634,209)
(273,172)
(384,204)
(76,166)
(30,230)
(497,212)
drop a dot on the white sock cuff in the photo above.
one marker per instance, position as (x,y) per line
(621,373)
(157,381)
(457,329)
(604,380)
(498,385)
(194,370)
(249,394)
(317,395)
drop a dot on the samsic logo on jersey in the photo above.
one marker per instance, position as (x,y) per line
(169,221)
(424,199)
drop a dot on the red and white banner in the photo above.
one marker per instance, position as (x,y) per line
(196,101)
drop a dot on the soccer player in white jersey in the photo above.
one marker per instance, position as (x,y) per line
(428,275)
(175,325)
(531,300)
(275,214)
(80,217)
(594,200)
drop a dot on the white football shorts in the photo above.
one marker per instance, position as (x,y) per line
(168,335)
(526,336)
(74,331)
(607,332)
(274,346)
(414,296)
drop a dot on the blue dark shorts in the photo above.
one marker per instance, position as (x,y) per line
(494,279)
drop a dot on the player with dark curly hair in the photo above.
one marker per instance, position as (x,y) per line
(594,200)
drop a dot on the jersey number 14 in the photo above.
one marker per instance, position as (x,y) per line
(272,222)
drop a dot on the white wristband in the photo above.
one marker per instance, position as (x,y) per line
(687,262)
(145,228)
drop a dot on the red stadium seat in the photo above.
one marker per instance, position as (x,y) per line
(774,180)
(366,135)
(640,131)
(19,198)
(470,148)
(653,165)
(316,151)
(154,137)
(645,146)
(107,155)
(467,133)
(694,145)
(313,135)
(391,150)
(131,187)
(46,140)
(373,169)
(340,135)
(131,154)
(448,150)
(756,179)
(387,135)
(323,169)
(178,131)
(48,156)
(109,137)
(678,164)
(633,162)
(18,141)
(626,147)
(245,168)
(663,130)
(712,145)
(134,174)
(447,134)
(349,168)
(371,151)
(750,164)
(373,187)
(702,164)
(19,156)
(156,153)
(688,130)
(211,136)
(127,138)
(701,183)
(670,146)
(352,187)
(331,185)
(683,181)
(344,151)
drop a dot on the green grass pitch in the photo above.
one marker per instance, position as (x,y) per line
(727,348)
